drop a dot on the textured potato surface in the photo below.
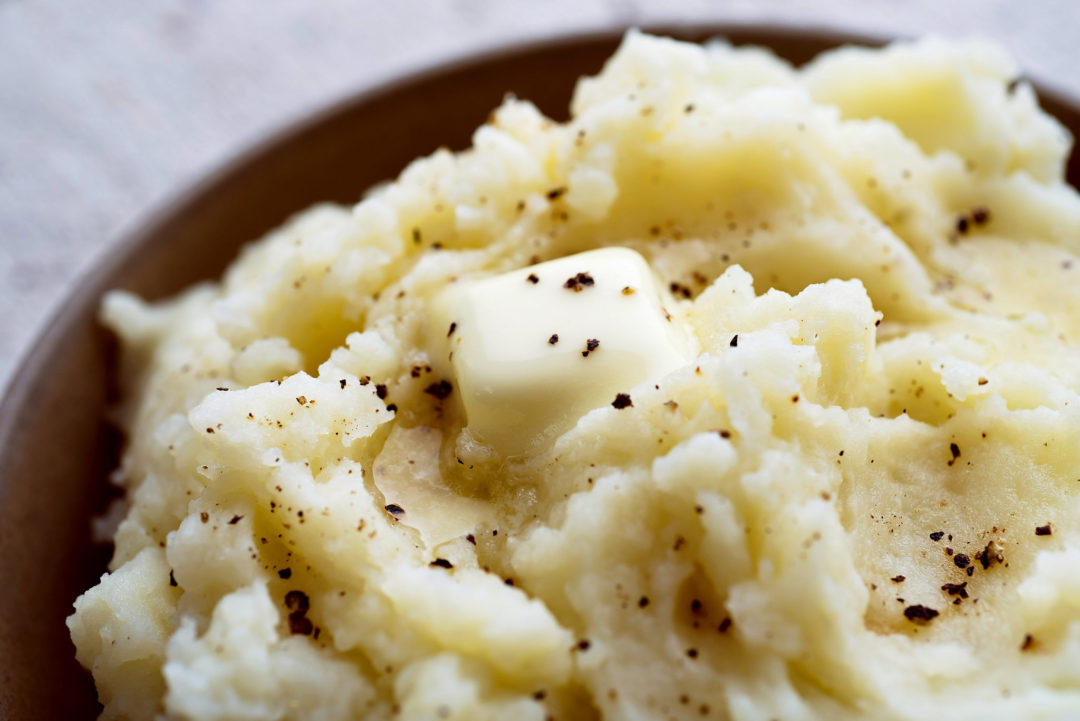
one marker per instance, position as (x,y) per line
(859,499)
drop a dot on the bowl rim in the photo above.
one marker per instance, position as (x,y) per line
(141,235)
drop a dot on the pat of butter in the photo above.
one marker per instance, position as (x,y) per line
(534,349)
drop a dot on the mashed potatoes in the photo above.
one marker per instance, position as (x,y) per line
(842,481)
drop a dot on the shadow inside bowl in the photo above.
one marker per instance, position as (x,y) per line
(56,449)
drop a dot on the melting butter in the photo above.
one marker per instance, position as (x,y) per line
(534,349)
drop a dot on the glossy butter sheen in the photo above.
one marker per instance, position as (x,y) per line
(534,349)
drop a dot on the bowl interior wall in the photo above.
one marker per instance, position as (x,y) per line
(55,448)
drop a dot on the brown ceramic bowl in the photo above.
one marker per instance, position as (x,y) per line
(55,446)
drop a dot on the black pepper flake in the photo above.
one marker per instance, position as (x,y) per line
(937,535)
(234,520)
(734,341)
(300,624)
(556,193)
(696,606)
(980,216)
(961,225)
(297,601)
(962,560)
(643,602)
(285,574)
(533,278)
(724,625)
(440,390)
(394,510)
(990,555)
(539,695)
(471,539)
(955,451)
(679,289)
(583,645)
(590,345)
(1029,641)
(579,282)
(898,579)
(1043,530)
(956,589)
(920,614)
(416,235)
(172,579)
(343,383)
(622,400)
(204,517)
(441,563)
(453,327)
(970,571)
(692,652)
(380,391)
(553,339)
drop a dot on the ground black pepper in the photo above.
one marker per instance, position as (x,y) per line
(579,282)
(622,400)
(440,390)
(920,614)
(297,601)
(956,589)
